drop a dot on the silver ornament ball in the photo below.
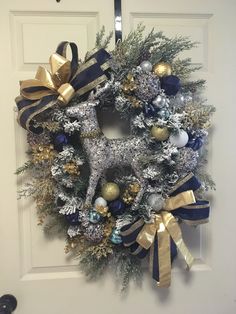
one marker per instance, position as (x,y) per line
(100,201)
(146,66)
(164,113)
(159,101)
(179,140)
(155,201)
(188,98)
(180,98)
(94,216)
(115,236)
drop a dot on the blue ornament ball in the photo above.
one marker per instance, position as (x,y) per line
(117,207)
(73,219)
(195,142)
(60,140)
(94,216)
(170,84)
(149,111)
(115,237)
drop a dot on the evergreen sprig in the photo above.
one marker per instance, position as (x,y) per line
(25,167)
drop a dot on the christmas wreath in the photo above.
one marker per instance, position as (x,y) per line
(118,200)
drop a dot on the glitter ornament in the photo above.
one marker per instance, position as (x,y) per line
(115,236)
(162,69)
(160,134)
(186,160)
(156,202)
(180,139)
(147,86)
(117,207)
(110,191)
(146,66)
(38,139)
(159,101)
(94,232)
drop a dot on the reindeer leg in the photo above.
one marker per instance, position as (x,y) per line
(103,179)
(143,183)
(93,180)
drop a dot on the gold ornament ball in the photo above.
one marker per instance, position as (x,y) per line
(160,134)
(162,69)
(110,191)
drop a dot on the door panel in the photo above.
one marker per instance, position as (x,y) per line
(210,23)
(30,32)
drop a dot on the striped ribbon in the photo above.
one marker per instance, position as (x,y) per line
(61,83)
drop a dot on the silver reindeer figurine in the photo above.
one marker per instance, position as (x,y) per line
(104,153)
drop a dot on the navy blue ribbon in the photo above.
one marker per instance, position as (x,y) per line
(82,80)
(192,214)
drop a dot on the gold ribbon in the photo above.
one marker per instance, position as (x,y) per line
(54,82)
(163,227)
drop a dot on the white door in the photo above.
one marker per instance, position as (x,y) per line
(35,269)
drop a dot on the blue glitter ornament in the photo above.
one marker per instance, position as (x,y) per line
(195,142)
(170,84)
(94,216)
(115,237)
(60,140)
(149,111)
(117,207)
(73,219)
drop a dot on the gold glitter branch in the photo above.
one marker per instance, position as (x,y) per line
(197,116)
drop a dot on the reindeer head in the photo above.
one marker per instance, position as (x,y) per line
(81,110)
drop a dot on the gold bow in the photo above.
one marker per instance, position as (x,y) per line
(54,82)
(163,227)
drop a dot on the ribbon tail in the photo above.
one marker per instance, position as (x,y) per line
(175,232)
(164,257)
